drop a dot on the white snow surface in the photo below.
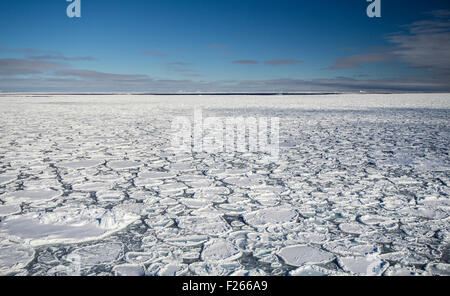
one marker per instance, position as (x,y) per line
(90,185)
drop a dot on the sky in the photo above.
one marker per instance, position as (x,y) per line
(224,45)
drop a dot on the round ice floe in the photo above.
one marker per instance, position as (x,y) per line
(5,179)
(129,270)
(92,186)
(251,272)
(180,166)
(399,270)
(187,240)
(370,265)
(147,182)
(381,237)
(310,237)
(192,254)
(425,212)
(438,269)
(194,178)
(81,164)
(370,219)
(233,209)
(203,183)
(171,188)
(300,255)
(63,270)
(159,221)
(237,224)
(140,257)
(14,257)
(173,269)
(214,268)
(168,201)
(134,208)
(124,164)
(109,195)
(157,175)
(266,192)
(176,210)
(276,215)
(36,195)
(394,203)
(234,172)
(350,247)
(219,250)
(265,197)
(210,225)
(406,181)
(9,210)
(213,194)
(245,182)
(194,202)
(149,241)
(434,202)
(154,269)
(93,255)
(141,196)
(414,259)
(66,225)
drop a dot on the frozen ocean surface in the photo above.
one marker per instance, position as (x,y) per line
(90,185)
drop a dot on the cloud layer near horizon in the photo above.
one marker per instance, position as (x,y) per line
(422,45)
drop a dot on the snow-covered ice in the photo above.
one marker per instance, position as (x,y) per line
(91,185)
(271,215)
(13,257)
(103,253)
(219,250)
(369,265)
(302,255)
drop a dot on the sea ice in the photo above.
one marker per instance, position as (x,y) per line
(36,195)
(442,269)
(96,254)
(138,258)
(300,255)
(9,210)
(362,180)
(124,164)
(66,225)
(173,269)
(311,270)
(353,227)
(109,195)
(129,270)
(276,215)
(398,270)
(5,179)
(81,164)
(211,225)
(214,268)
(13,257)
(369,265)
(156,175)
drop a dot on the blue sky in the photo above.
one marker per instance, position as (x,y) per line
(212,45)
